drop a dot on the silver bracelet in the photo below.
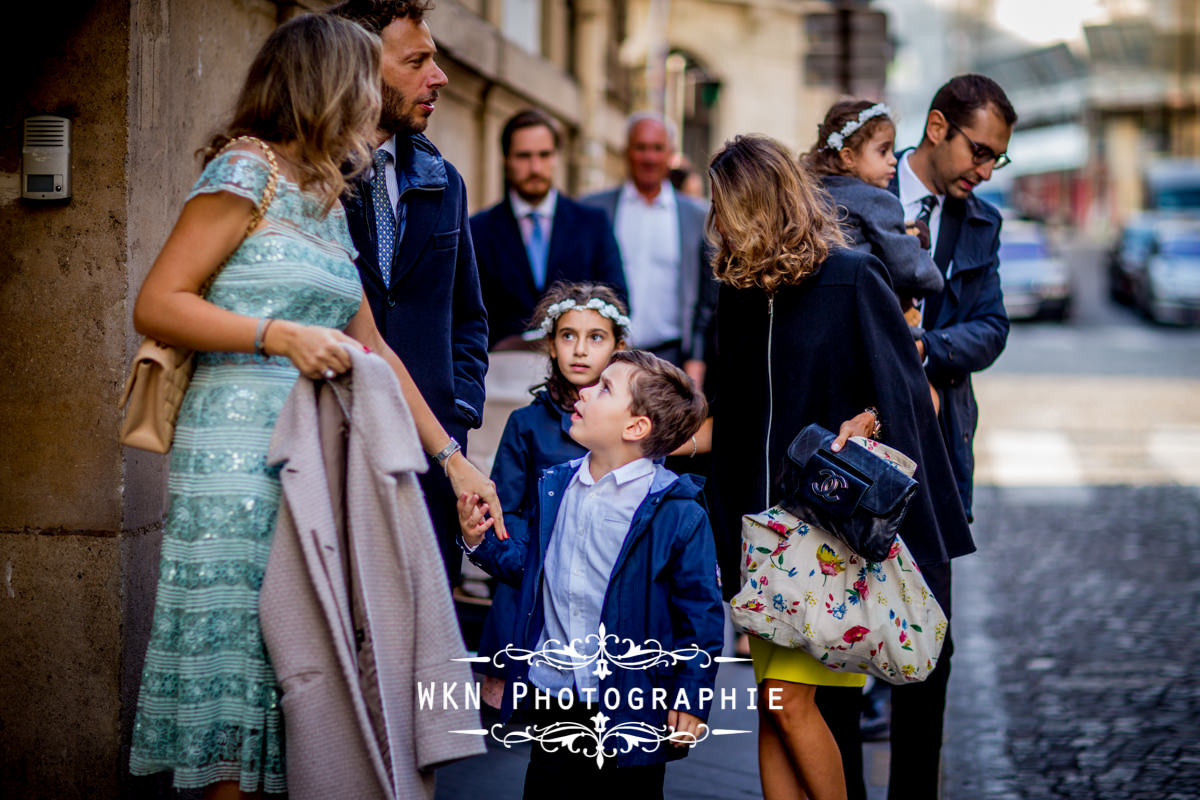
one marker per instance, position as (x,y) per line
(444,455)
(260,334)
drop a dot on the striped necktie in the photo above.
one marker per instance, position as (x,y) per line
(385,216)
(928,204)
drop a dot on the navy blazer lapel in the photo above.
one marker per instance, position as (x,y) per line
(422,208)
(559,251)
(422,186)
(949,230)
(360,218)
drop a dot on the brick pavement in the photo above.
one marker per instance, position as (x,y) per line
(1077,644)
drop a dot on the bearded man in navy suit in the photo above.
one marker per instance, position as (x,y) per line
(536,235)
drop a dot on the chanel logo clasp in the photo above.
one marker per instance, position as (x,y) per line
(829,485)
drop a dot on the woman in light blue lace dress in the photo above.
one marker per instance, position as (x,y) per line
(208,708)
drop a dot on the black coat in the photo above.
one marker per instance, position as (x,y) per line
(582,248)
(838,343)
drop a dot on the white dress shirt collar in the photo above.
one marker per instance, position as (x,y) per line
(912,191)
(912,188)
(664,199)
(545,209)
(390,147)
(639,467)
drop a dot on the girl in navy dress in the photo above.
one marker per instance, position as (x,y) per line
(580,326)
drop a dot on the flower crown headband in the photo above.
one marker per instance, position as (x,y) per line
(837,139)
(556,310)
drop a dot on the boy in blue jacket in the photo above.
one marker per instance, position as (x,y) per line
(620,617)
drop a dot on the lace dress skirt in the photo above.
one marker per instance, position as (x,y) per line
(208,708)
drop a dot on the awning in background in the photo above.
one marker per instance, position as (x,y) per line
(1054,148)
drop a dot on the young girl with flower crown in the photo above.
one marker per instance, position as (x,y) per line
(579,326)
(854,160)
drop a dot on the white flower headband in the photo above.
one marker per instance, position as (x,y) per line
(838,138)
(556,310)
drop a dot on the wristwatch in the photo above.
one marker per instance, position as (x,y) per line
(444,455)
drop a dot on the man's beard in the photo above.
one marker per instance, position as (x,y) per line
(532,192)
(392,117)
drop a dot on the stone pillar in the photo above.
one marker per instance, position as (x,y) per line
(144,82)
(592,27)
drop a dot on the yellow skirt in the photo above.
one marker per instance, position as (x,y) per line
(796,666)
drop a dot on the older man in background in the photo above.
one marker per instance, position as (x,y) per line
(672,293)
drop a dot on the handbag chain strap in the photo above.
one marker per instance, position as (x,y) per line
(260,210)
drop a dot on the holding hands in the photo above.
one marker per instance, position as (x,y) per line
(473,519)
(685,728)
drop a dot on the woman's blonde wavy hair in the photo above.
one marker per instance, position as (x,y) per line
(769,222)
(316,83)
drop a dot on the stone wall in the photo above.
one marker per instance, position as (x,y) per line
(143,81)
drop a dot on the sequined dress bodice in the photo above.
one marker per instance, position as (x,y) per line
(209,704)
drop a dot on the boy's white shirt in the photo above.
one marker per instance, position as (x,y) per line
(592,522)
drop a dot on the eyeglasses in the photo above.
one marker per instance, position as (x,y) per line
(981,153)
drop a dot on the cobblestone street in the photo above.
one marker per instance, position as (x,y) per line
(1076,621)
(1076,631)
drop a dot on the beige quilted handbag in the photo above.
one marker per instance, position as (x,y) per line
(159,376)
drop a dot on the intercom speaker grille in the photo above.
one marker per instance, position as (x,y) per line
(45,132)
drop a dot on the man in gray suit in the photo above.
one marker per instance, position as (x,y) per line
(672,293)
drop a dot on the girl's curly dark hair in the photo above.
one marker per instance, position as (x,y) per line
(822,160)
(561,391)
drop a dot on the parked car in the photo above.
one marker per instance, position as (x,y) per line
(1128,256)
(1033,277)
(1168,289)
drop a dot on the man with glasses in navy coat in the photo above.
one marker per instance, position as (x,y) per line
(966,137)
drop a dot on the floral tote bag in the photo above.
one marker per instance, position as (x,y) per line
(803,587)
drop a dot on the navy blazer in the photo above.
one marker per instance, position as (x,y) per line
(433,314)
(535,437)
(664,587)
(966,326)
(582,248)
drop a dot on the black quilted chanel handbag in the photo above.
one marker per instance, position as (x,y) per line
(858,494)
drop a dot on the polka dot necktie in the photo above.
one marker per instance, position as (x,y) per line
(385,216)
